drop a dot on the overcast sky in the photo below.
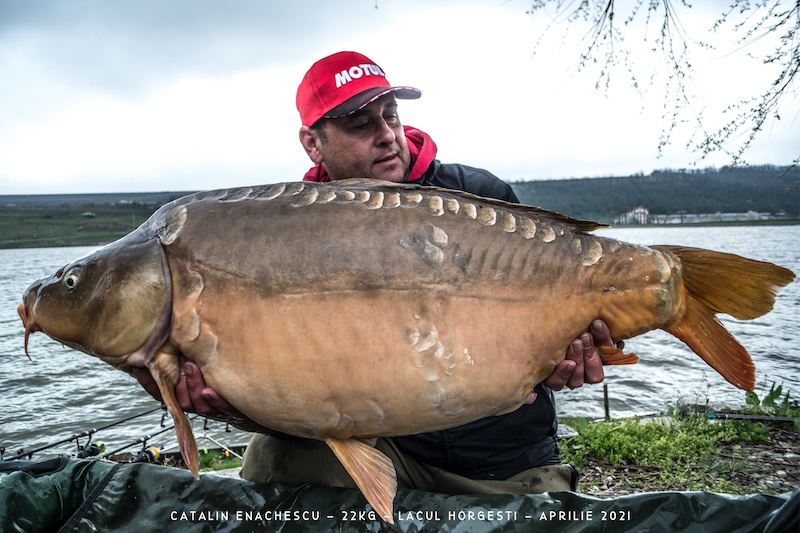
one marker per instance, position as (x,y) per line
(147,95)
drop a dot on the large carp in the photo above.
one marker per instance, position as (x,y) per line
(345,312)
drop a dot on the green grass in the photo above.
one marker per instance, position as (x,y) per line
(668,442)
(686,452)
(218,460)
(209,460)
(689,453)
(775,403)
(33,226)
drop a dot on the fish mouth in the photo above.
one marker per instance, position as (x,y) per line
(29,323)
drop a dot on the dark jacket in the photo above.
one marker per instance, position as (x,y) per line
(500,446)
(468,179)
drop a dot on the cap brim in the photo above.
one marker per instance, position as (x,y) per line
(364,98)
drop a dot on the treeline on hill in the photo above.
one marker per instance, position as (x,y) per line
(710,190)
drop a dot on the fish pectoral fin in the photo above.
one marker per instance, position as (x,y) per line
(615,356)
(372,471)
(165,369)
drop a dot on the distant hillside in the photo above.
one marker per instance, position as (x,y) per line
(44,220)
(739,190)
(91,219)
(155,198)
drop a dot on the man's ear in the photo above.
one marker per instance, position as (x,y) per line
(310,141)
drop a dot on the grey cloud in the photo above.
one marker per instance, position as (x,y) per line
(123,47)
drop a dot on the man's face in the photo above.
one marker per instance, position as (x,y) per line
(370,143)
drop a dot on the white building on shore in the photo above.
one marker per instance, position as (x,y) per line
(641,215)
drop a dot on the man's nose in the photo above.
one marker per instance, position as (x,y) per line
(385,134)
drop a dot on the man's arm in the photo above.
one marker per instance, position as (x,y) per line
(581,365)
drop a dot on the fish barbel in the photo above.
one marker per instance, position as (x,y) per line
(354,310)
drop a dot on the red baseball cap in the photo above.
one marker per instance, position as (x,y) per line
(341,84)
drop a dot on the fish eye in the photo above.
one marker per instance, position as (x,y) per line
(71,282)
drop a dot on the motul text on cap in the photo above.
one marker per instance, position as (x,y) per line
(341,84)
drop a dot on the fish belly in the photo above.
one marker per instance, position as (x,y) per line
(343,365)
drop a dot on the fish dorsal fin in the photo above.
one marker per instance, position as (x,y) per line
(520,209)
(372,471)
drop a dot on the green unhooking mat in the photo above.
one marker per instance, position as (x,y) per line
(73,495)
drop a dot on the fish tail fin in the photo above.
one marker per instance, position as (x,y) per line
(727,283)
(717,282)
(372,471)
(165,369)
(708,338)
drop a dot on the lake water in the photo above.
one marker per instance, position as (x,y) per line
(63,392)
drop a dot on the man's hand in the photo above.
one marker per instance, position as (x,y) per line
(582,363)
(194,396)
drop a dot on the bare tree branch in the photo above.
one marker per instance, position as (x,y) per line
(773,22)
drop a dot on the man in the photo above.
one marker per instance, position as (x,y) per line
(351,129)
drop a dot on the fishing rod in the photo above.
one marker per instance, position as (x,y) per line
(760,418)
(147,454)
(82,452)
(151,454)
